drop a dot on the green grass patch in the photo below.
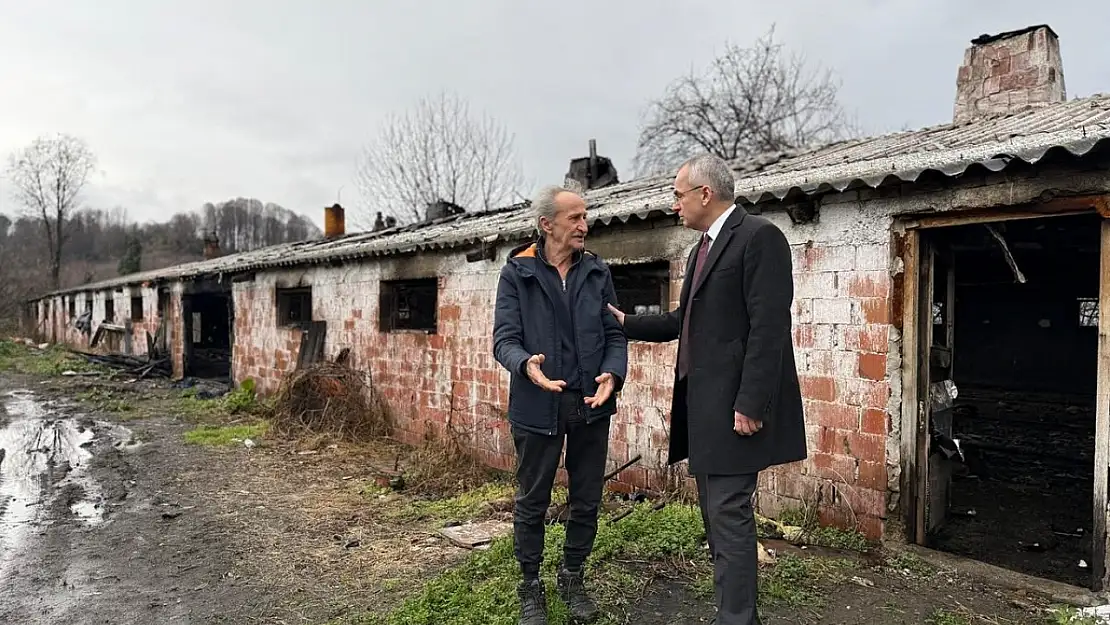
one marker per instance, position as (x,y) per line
(216,435)
(467,505)
(52,361)
(1069,615)
(799,582)
(911,563)
(946,617)
(482,590)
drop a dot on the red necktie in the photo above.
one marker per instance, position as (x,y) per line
(683,347)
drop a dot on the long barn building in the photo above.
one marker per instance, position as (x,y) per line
(948,287)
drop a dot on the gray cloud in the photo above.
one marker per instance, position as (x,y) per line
(188,102)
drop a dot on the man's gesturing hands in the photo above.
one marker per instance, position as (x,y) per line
(539,379)
(604,390)
(605,382)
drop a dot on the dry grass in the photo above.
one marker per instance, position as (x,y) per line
(443,465)
(319,523)
(329,399)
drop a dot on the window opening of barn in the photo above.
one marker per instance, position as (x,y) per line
(294,306)
(409,305)
(643,288)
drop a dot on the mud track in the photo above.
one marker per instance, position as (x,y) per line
(91,530)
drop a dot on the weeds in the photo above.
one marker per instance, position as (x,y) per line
(467,505)
(52,361)
(1069,615)
(946,617)
(911,563)
(795,582)
(217,436)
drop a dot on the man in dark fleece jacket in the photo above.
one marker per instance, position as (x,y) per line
(567,357)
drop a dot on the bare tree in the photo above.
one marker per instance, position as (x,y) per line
(749,101)
(47,177)
(436,151)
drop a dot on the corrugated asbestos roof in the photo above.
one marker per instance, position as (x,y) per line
(1075,126)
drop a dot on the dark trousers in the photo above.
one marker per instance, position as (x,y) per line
(537,461)
(726,509)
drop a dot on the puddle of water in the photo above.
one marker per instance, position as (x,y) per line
(42,452)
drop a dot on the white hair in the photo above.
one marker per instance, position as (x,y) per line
(543,202)
(713,172)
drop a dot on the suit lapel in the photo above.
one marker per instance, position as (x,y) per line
(719,245)
(687,278)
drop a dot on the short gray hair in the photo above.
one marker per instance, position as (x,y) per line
(713,172)
(543,202)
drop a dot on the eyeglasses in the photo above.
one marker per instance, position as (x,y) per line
(678,195)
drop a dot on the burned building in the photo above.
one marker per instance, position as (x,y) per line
(949,283)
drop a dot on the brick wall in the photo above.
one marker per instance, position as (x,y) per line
(59,327)
(841,331)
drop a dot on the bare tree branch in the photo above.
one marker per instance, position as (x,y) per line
(749,101)
(436,151)
(47,178)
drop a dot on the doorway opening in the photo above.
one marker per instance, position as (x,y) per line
(208,322)
(1008,328)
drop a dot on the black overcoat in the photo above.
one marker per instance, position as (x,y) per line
(741,353)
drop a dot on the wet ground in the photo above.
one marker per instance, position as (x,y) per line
(86,534)
(110,519)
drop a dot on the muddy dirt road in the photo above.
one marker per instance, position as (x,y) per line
(89,531)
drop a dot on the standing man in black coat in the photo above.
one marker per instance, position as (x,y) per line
(737,406)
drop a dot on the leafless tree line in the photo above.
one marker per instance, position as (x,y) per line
(749,100)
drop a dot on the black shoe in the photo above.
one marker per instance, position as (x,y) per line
(573,592)
(533,602)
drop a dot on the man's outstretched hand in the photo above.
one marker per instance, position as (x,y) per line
(617,313)
(539,379)
(604,390)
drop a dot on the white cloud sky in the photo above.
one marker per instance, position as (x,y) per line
(189,102)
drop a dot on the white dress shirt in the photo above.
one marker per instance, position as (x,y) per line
(715,227)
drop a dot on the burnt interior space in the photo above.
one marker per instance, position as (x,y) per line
(136,308)
(643,288)
(409,305)
(208,335)
(1022,358)
(109,308)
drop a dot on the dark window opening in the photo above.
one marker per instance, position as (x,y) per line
(294,306)
(409,305)
(88,304)
(72,306)
(643,288)
(137,308)
(109,308)
(1088,312)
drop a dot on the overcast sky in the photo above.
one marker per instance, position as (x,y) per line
(186,102)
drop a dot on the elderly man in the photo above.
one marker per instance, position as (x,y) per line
(567,357)
(736,408)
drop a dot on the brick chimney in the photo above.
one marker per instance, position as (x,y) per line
(211,245)
(335,223)
(1009,72)
(591,172)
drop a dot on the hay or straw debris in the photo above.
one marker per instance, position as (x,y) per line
(330,399)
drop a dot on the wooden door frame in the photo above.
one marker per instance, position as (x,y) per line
(914,341)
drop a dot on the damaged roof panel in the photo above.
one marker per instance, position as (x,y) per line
(1076,126)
